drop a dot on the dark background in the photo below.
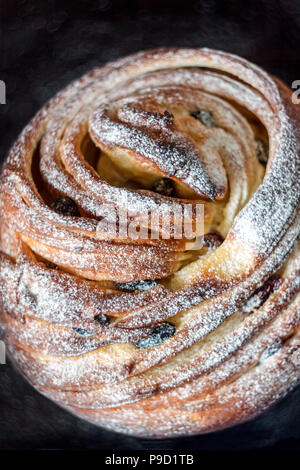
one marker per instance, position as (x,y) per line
(46,44)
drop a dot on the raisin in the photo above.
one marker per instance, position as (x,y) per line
(102,319)
(270,351)
(262,150)
(81,331)
(30,299)
(262,294)
(136,286)
(160,334)
(66,206)
(4,306)
(50,265)
(164,186)
(205,117)
(212,240)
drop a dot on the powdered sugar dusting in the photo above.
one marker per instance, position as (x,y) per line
(221,366)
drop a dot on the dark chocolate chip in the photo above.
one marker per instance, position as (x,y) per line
(134,286)
(164,186)
(262,294)
(102,319)
(204,116)
(82,332)
(212,240)
(66,206)
(160,334)
(262,150)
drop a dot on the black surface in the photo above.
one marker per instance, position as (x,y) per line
(45,45)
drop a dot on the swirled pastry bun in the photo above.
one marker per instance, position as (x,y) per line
(156,336)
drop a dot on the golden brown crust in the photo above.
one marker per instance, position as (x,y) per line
(104,142)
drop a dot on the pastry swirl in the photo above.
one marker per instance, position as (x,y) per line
(151,336)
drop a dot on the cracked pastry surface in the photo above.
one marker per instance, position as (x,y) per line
(151,337)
